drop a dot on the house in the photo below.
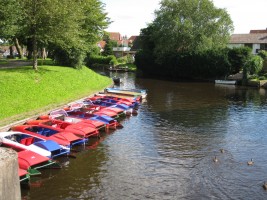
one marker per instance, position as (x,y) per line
(116,36)
(256,40)
(124,44)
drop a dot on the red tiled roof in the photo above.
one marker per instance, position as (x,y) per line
(132,38)
(258,31)
(254,38)
(115,36)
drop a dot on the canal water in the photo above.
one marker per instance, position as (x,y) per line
(167,150)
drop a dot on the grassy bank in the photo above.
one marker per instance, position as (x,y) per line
(25,92)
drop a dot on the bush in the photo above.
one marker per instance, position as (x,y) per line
(101,60)
(113,60)
(71,57)
(262,78)
(125,59)
(122,60)
(262,54)
(238,57)
(254,65)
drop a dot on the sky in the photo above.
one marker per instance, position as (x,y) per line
(130,16)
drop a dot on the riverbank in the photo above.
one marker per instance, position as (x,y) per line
(25,92)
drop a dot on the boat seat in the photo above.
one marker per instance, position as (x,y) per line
(43,132)
(27,141)
(63,125)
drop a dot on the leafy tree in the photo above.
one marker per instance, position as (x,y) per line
(190,25)
(187,39)
(238,57)
(253,66)
(70,26)
(10,19)
(108,49)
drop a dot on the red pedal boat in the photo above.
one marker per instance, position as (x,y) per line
(63,138)
(96,109)
(62,115)
(80,129)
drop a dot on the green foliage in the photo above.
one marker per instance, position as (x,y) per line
(71,26)
(108,49)
(125,59)
(25,90)
(129,66)
(238,57)
(189,25)
(102,60)
(69,57)
(263,54)
(253,65)
(211,63)
(187,39)
(113,60)
(122,60)
(9,19)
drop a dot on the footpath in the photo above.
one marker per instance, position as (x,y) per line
(15,64)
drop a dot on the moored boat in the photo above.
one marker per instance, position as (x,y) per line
(128,110)
(128,92)
(24,176)
(61,114)
(37,144)
(109,122)
(83,131)
(88,106)
(47,134)
(226,82)
(115,100)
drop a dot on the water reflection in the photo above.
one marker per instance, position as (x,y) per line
(167,150)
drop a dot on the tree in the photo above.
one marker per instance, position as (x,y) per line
(190,25)
(70,26)
(108,49)
(238,57)
(10,19)
(253,65)
(91,22)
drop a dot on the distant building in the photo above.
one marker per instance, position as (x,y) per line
(256,40)
(124,44)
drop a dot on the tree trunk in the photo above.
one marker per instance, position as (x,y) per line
(44,55)
(11,52)
(18,47)
(35,53)
(29,49)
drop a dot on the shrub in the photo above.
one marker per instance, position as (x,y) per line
(101,60)
(262,54)
(122,60)
(254,64)
(71,57)
(113,60)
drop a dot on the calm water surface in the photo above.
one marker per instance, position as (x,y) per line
(167,150)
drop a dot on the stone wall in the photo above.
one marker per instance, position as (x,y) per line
(9,178)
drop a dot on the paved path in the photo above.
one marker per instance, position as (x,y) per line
(15,64)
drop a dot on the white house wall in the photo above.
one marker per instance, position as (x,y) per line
(255,47)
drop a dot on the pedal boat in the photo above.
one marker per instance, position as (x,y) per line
(37,144)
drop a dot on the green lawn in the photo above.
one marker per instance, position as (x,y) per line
(25,92)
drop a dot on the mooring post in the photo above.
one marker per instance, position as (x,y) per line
(9,178)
